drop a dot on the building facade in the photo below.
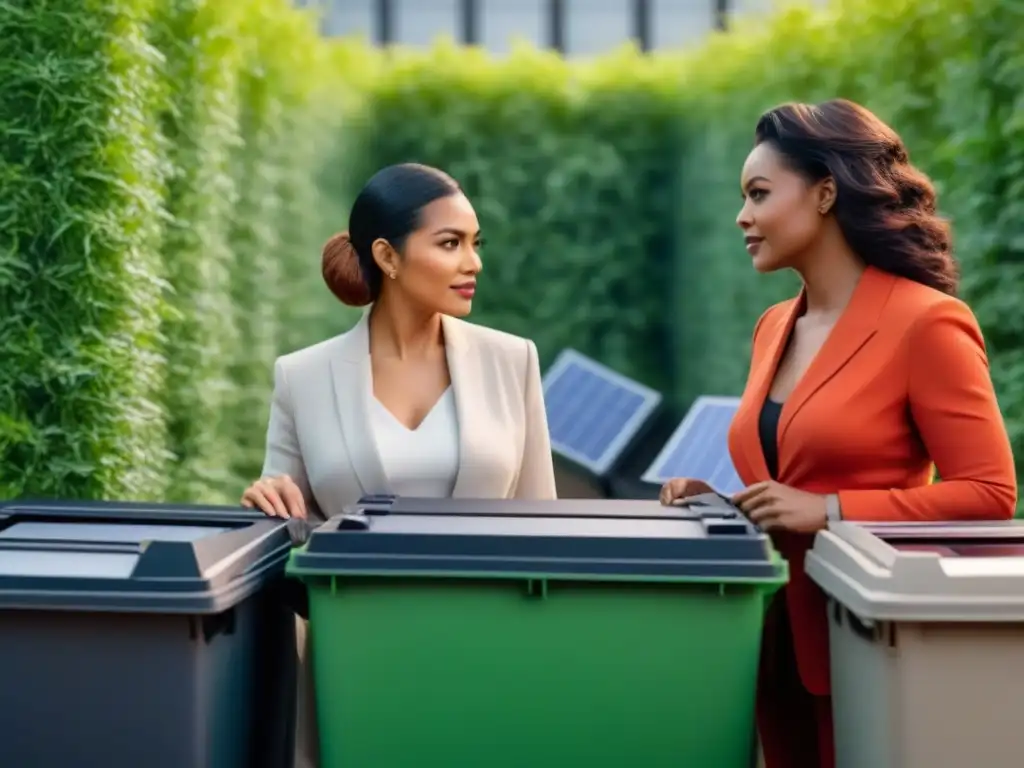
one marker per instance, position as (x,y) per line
(574,27)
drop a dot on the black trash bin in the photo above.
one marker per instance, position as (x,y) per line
(144,636)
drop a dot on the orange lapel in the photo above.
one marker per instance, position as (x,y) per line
(855,326)
(768,351)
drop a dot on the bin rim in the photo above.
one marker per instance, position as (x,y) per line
(313,574)
(706,541)
(207,575)
(857,566)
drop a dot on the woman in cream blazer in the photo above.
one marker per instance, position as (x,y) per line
(325,425)
(412,401)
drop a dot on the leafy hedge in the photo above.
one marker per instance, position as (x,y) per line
(159,177)
(81,192)
(171,167)
(201,130)
(257,81)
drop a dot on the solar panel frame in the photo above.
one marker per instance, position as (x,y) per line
(657,472)
(569,360)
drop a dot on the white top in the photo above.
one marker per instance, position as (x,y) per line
(424,461)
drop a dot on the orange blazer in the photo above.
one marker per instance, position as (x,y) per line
(901,384)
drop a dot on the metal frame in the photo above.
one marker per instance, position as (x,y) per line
(721,13)
(385,18)
(642,16)
(556,25)
(469,21)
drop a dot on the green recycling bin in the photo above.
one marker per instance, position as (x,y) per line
(469,633)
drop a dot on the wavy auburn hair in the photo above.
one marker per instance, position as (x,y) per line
(885,207)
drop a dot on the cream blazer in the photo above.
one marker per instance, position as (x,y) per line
(320,433)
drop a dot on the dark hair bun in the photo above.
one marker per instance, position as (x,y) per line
(341,271)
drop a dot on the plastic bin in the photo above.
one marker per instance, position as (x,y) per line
(135,636)
(470,633)
(927,642)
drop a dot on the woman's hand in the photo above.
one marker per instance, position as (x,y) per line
(682,488)
(777,507)
(275,496)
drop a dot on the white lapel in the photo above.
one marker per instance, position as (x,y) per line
(464,366)
(353,394)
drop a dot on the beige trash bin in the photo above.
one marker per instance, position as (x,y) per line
(926,626)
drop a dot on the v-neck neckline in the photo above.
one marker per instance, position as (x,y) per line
(433,409)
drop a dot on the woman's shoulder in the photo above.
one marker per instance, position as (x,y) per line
(913,305)
(491,340)
(314,356)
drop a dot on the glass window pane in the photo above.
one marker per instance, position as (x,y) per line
(594,27)
(348,17)
(420,22)
(680,23)
(501,21)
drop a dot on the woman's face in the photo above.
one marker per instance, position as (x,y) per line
(441,261)
(781,214)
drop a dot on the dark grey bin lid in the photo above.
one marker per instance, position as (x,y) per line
(159,558)
(707,541)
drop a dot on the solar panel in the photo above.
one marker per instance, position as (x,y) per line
(593,412)
(699,447)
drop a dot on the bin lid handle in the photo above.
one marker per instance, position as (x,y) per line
(299,530)
(709,504)
(866,542)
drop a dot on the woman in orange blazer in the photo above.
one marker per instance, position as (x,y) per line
(873,376)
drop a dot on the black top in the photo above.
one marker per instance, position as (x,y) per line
(768,431)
